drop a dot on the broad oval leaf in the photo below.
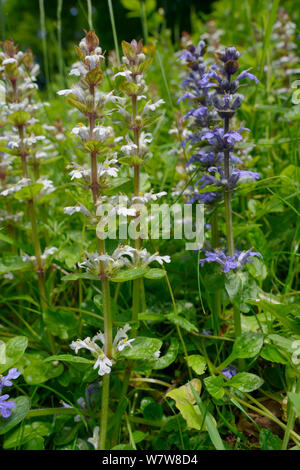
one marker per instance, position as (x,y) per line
(39,372)
(69,358)
(18,414)
(167,359)
(143,348)
(197,363)
(15,348)
(214,386)
(245,382)
(181,322)
(75,276)
(155,273)
(26,433)
(247,345)
(129,274)
(185,402)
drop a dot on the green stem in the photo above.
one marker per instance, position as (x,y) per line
(237,322)
(265,412)
(34,230)
(44,41)
(291,420)
(216,314)
(51,411)
(136,283)
(104,412)
(107,317)
(125,385)
(2,20)
(228,221)
(186,356)
(90,14)
(113,25)
(144,21)
(59,42)
(105,288)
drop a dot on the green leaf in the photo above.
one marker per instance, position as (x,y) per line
(241,289)
(214,281)
(129,274)
(197,363)
(26,433)
(272,354)
(268,440)
(257,269)
(12,241)
(122,447)
(70,255)
(247,345)
(2,352)
(28,192)
(295,399)
(131,161)
(287,315)
(72,100)
(167,359)
(127,48)
(143,348)
(145,316)
(19,118)
(37,443)
(151,409)
(69,358)
(155,273)
(185,401)
(134,7)
(94,76)
(66,435)
(18,414)
(129,88)
(39,372)
(117,185)
(13,263)
(75,276)
(214,386)
(95,146)
(211,425)
(245,382)
(15,348)
(233,285)
(139,436)
(61,323)
(181,322)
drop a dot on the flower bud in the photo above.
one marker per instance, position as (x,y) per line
(91,39)
(231,67)
(141,58)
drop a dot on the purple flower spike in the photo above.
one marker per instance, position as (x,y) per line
(211,93)
(6,380)
(229,372)
(230,53)
(6,406)
(246,74)
(229,263)
(246,174)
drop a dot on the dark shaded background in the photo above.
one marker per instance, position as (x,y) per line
(21,19)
